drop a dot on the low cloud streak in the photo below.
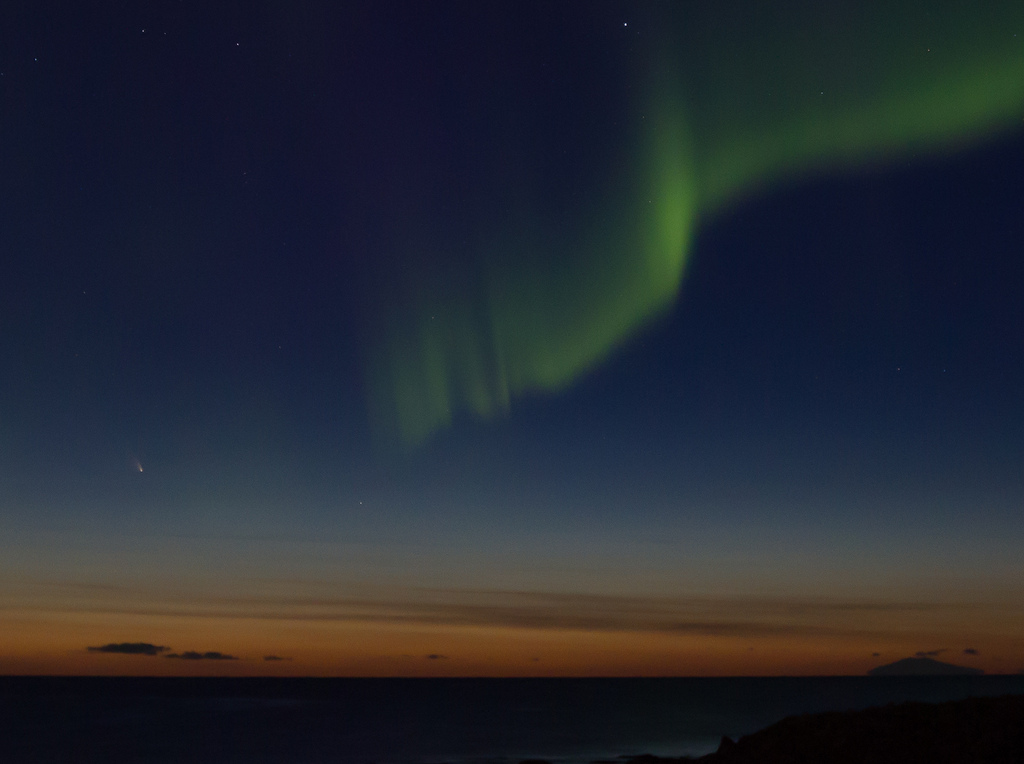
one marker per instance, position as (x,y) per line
(192,655)
(129,648)
(567,611)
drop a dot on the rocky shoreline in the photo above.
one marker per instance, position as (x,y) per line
(971,731)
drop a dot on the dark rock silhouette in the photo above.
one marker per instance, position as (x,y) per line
(923,667)
(971,731)
(989,730)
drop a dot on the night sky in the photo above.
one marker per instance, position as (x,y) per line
(495,339)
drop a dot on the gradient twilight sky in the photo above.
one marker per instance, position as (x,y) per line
(579,338)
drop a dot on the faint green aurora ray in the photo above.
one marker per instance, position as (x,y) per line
(820,93)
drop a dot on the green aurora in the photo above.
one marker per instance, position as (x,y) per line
(722,113)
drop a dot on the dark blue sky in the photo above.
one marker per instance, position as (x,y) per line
(204,213)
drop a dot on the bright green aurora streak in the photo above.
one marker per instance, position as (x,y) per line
(723,113)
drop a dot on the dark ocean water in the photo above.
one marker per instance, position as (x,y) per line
(421,721)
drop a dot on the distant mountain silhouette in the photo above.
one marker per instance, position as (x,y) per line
(923,667)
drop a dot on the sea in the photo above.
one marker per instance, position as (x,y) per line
(423,721)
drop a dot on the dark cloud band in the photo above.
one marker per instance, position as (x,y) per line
(192,655)
(130,648)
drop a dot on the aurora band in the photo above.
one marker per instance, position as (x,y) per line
(720,115)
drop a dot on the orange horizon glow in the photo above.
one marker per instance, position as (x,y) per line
(59,646)
(407,631)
